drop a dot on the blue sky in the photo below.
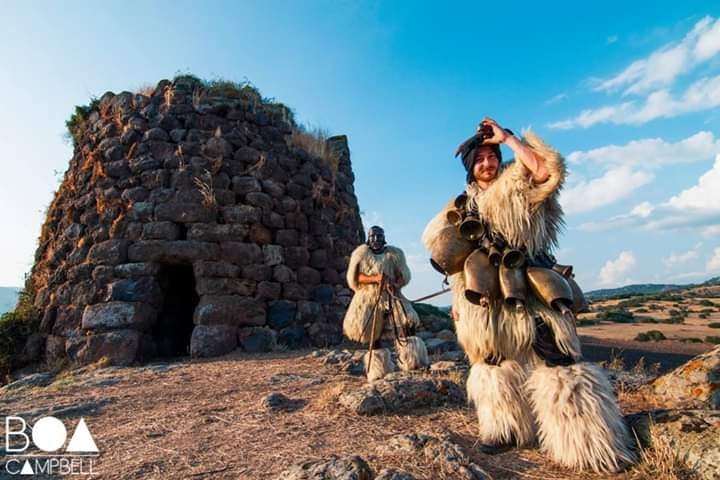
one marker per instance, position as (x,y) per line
(629,93)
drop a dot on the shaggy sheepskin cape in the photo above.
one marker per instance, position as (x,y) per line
(571,410)
(526,214)
(358,321)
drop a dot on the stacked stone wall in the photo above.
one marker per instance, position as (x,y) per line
(222,183)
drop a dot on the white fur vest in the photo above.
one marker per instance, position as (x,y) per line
(357,324)
(526,214)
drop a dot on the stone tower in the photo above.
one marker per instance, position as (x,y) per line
(199,218)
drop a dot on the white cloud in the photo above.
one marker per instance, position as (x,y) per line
(557,98)
(612,39)
(713,265)
(704,94)
(680,258)
(664,65)
(653,76)
(653,152)
(613,185)
(614,271)
(695,207)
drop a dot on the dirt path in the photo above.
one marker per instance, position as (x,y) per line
(668,354)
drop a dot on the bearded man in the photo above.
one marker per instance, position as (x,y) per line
(376,274)
(514,307)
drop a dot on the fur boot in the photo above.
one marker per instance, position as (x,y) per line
(499,400)
(382,364)
(412,354)
(579,422)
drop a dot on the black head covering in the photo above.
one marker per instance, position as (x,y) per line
(468,149)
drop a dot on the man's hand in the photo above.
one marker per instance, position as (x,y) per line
(534,163)
(499,135)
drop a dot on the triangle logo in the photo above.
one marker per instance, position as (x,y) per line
(27,469)
(81,440)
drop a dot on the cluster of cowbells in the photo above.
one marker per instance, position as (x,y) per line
(494,270)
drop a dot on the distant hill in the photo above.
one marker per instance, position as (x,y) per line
(644,289)
(8,298)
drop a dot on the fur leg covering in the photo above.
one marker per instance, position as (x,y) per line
(499,400)
(579,422)
(382,364)
(412,354)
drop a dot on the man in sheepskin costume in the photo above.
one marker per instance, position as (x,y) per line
(376,274)
(514,308)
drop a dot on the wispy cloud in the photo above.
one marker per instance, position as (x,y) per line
(615,184)
(615,271)
(652,152)
(557,98)
(702,95)
(612,39)
(678,259)
(695,207)
(652,77)
(713,264)
(664,65)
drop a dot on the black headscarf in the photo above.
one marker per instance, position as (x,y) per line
(468,149)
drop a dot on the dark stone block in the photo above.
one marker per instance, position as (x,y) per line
(134,270)
(259,199)
(294,291)
(119,347)
(258,272)
(213,232)
(224,286)
(293,337)
(323,294)
(325,334)
(118,315)
(281,314)
(241,214)
(118,169)
(160,231)
(256,339)
(284,274)
(286,238)
(229,310)
(260,234)
(156,134)
(216,269)
(308,276)
(296,257)
(184,213)
(176,251)
(241,253)
(269,290)
(142,289)
(212,340)
(110,252)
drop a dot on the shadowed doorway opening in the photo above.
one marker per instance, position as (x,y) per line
(174,325)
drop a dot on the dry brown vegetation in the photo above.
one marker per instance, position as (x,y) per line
(204,419)
(684,317)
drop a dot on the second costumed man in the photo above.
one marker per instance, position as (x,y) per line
(376,274)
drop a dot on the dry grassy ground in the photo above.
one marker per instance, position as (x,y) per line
(204,419)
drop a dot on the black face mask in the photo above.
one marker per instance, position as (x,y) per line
(376,239)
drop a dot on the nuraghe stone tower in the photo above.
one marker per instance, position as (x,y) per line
(196,218)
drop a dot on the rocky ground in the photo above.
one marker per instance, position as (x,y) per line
(310,415)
